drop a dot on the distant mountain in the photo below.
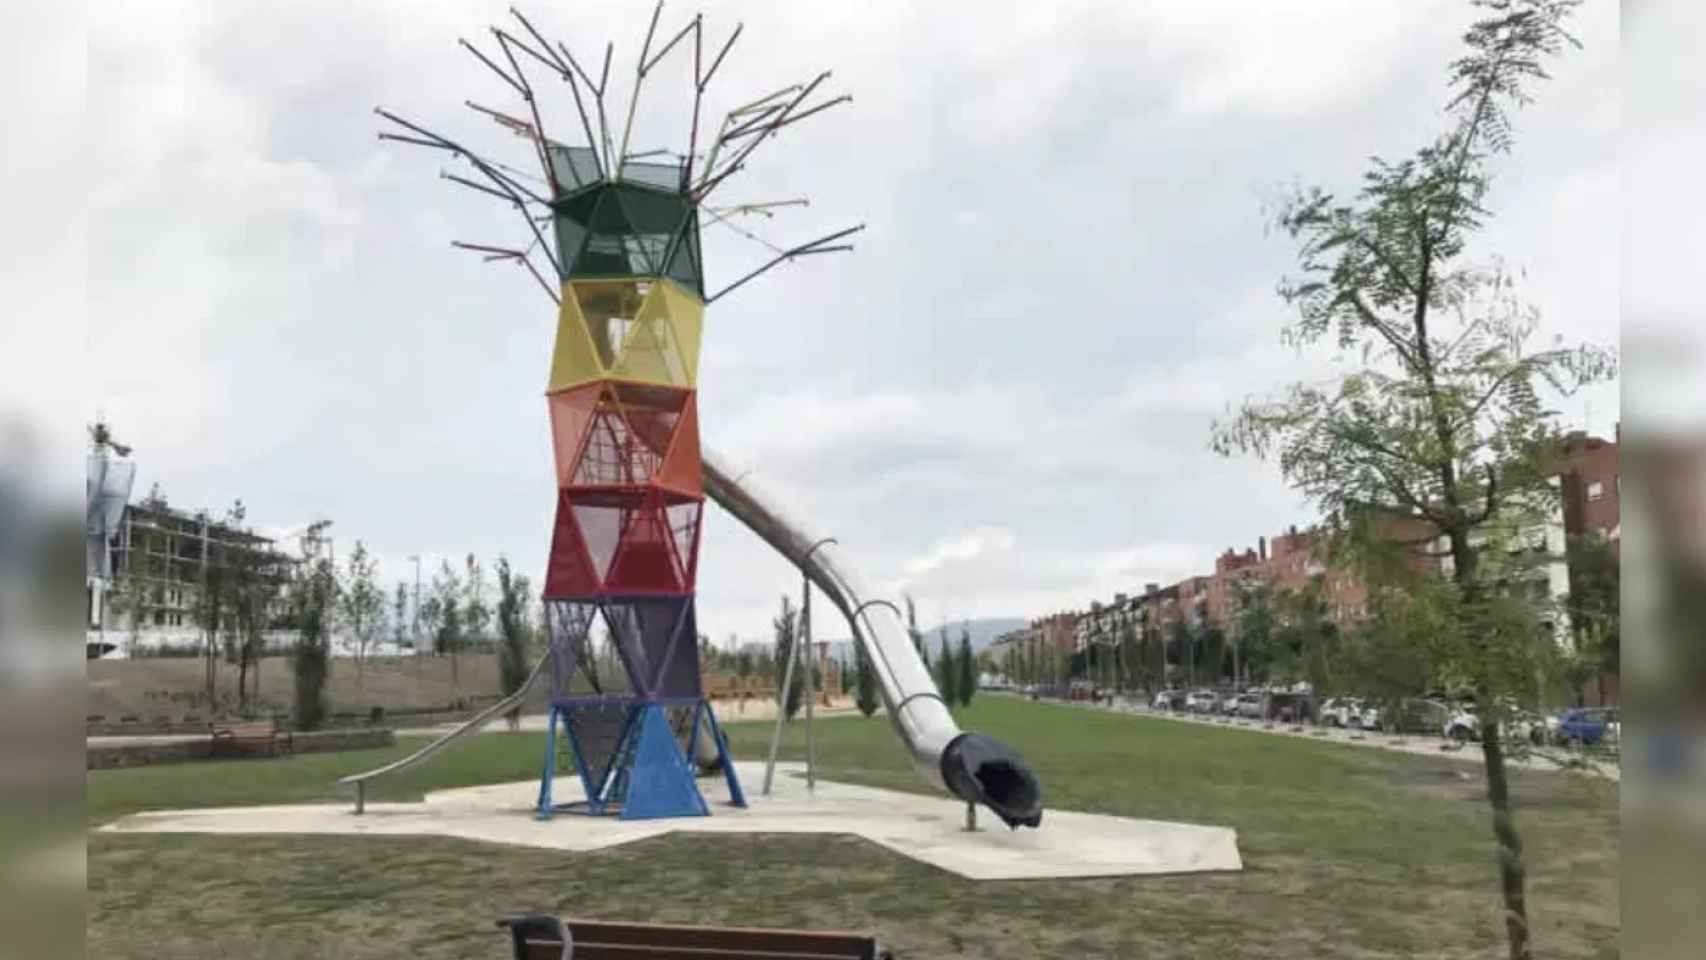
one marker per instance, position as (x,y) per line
(983,633)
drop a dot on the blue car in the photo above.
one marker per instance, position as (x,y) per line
(1584,725)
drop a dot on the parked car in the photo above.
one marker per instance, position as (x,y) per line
(1463,724)
(1169,700)
(1584,725)
(1202,701)
(1342,711)
(1248,705)
(1417,715)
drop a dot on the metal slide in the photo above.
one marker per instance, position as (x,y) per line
(971,766)
(511,702)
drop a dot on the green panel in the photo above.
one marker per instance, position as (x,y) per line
(682,266)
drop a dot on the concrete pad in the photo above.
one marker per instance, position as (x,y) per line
(926,828)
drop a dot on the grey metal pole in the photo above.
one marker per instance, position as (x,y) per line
(781,714)
(811,691)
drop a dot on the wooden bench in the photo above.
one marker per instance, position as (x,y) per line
(539,937)
(250,739)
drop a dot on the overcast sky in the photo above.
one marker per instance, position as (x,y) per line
(1000,401)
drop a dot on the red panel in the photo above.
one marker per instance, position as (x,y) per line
(645,559)
(571,414)
(683,519)
(568,572)
(681,470)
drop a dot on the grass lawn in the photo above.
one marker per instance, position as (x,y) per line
(1347,853)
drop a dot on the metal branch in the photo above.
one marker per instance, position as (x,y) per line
(639,81)
(694,23)
(706,79)
(507,253)
(820,245)
(519,87)
(476,186)
(502,182)
(603,83)
(539,137)
(549,58)
(735,114)
(775,125)
(526,24)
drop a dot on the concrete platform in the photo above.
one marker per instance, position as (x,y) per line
(925,828)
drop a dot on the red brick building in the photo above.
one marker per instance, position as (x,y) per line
(1590,485)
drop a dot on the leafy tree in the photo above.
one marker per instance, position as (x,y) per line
(786,626)
(913,631)
(947,678)
(476,613)
(1440,415)
(514,631)
(966,684)
(1253,651)
(1211,652)
(400,616)
(361,603)
(443,615)
(1595,611)
(1183,641)
(314,598)
(864,681)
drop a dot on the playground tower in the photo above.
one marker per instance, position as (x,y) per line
(622,239)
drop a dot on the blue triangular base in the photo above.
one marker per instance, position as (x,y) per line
(737,797)
(660,783)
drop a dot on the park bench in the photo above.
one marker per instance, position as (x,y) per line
(250,739)
(540,937)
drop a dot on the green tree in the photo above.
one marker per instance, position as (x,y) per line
(966,684)
(1253,651)
(864,681)
(1183,641)
(947,678)
(442,612)
(514,632)
(314,598)
(361,603)
(1439,414)
(476,613)
(1595,610)
(913,631)
(786,625)
(400,616)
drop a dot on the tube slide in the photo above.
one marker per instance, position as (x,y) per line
(976,768)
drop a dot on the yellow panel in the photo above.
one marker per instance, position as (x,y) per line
(687,316)
(649,354)
(574,361)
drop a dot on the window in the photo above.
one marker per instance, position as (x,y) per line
(1596,491)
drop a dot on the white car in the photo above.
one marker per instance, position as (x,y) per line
(1342,712)
(1463,724)
(1248,705)
(1202,701)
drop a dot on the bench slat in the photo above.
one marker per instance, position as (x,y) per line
(594,950)
(826,942)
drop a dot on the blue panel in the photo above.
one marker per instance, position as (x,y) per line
(661,780)
(737,797)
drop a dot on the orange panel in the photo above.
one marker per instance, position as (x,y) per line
(681,470)
(571,415)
